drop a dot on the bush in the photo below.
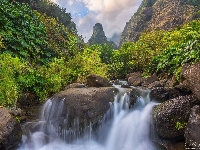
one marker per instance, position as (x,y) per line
(186,50)
(60,40)
(10,70)
(23,33)
(88,62)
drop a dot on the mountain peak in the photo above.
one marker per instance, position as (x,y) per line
(99,37)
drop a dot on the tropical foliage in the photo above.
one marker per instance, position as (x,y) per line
(41,54)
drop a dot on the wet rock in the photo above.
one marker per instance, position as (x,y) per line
(97,81)
(88,105)
(135,93)
(133,97)
(170,118)
(191,75)
(192,135)
(161,94)
(135,79)
(10,131)
(120,83)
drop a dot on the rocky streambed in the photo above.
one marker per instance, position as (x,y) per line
(175,119)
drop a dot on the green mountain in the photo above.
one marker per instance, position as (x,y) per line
(99,37)
(159,14)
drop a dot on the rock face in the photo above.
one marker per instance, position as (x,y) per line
(135,79)
(87,105)
(97,81)
(162,94)
(191,76)
(10,131)
(170,118)
(98,37)
(159,14)
(192,131)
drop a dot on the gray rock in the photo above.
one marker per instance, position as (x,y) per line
(135,79)
(192,135)
(97,81)
(170,118)
(191,75)
(88,105)
(10,130)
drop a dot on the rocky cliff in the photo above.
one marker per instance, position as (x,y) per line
(99,37)
(159,14)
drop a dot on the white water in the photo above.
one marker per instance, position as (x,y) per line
(128,130)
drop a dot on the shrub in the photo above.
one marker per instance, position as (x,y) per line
(186,50)
(10,70)
(85,63)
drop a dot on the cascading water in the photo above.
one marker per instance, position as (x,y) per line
(122,128)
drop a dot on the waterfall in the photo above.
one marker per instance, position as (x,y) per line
(122,128)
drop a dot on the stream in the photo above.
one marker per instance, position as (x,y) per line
(122,128)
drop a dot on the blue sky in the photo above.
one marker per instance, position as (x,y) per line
(112,14)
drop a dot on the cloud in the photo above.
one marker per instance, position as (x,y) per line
(112,14)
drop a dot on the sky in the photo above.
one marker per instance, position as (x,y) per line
(112,14)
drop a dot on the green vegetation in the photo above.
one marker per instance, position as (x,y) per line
(40,54)
(23,32)
(159,51)
(183,47)
(99,37)
(53,10)
(180,125)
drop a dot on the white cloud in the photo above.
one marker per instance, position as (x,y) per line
(70,2)
(113,14)
(55,1)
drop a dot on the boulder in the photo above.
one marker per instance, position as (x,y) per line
(77,109)
(10,130)
(135,79)
(161,94)
(170,118)
(97,81)
(192,135)
(191,73)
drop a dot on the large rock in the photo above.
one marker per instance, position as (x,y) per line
(77,109)
(191,73)
(97,81)
(135,79)
(10,131)
(170,117)
(192,135)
